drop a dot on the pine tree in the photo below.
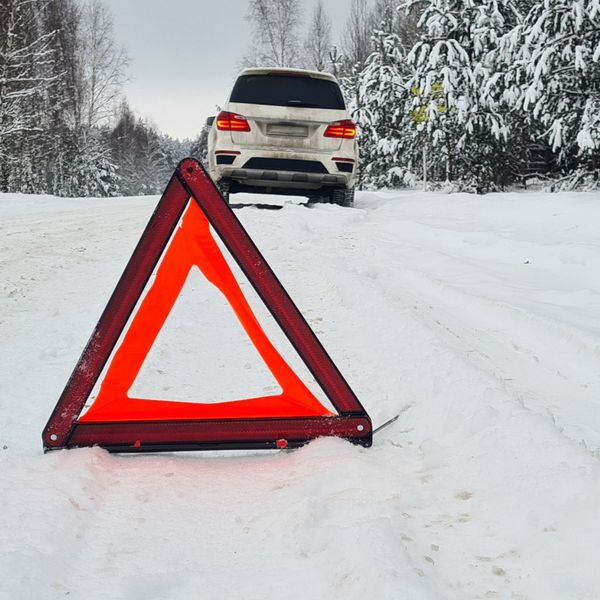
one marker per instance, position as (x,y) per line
(199,147)
(455,98)
(93,172)
(384,114)
(145,160)
(556,79)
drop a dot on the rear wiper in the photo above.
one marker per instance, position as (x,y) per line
(301,104)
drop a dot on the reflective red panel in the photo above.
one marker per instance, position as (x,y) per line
(194,245)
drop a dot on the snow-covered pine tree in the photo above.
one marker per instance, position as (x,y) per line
(93,172)
(383,114)
(175,150)
(155,163)
(199,147)
(145,159)
(556,78)
(457,106)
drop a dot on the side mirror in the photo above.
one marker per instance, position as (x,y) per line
(210,121)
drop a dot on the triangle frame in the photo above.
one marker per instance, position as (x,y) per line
(191,183)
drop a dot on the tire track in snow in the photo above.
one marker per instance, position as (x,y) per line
(498,338)
(469,495)
(387,371)
(522,349)
(405,303)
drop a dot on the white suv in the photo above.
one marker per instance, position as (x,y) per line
(285,131)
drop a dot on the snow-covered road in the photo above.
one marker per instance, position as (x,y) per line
(476,318)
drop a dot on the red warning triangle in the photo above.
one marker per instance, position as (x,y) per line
(177,239)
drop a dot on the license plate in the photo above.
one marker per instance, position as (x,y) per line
(283,130)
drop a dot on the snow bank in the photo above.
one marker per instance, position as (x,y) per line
(476,318)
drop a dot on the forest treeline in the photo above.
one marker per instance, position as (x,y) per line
(65,128)
(467,95)
(464,95)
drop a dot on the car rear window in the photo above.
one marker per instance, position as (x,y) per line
(285,90)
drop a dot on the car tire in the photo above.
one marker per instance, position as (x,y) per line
(224,187)
(319,199)
(343,197)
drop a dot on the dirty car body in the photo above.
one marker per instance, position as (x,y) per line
(285,131)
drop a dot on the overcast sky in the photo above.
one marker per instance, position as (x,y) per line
(185,55)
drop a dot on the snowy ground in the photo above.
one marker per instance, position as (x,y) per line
(476,318)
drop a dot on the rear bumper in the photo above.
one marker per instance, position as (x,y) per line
(321,169)
(284,179)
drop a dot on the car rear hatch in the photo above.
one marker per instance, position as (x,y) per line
(287,111)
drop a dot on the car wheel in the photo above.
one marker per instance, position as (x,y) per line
(343,197)
(318,199)
(224,187)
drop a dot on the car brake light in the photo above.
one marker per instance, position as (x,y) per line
(227,121)
(341,129)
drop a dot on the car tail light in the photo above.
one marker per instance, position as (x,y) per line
(227,121)
(341,129)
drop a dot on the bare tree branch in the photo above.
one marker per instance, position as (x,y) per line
(275,24)
(318,41)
